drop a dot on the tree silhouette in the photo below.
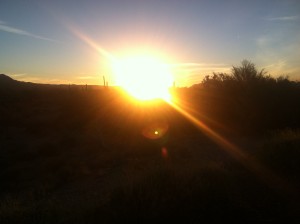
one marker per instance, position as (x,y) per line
(247,72)
(247,99)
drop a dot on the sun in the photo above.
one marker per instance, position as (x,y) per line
(143,77)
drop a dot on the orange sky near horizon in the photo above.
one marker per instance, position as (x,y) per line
(63,42)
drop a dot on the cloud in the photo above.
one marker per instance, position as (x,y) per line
(186,74)
(18,75)
(283,18)
(263,40)
(278,54)
(198,67)
(86,77)
(27,78)
(10,29)
(190,64)
(278,67)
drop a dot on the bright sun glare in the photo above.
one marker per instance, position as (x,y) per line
(144,77)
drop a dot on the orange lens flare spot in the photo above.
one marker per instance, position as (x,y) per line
(164,152)
(155,130)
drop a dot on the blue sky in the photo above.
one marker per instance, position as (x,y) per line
(41,41)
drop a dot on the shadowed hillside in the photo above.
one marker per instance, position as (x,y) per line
(7,83)
(6,79)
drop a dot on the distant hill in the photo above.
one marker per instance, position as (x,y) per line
(8,84)
(6,80)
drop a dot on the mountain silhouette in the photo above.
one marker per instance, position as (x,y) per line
(8,84)
(6,80)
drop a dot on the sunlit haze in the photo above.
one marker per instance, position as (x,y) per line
(144,77)
(72,41)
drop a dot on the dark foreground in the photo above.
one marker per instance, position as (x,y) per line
(78,156)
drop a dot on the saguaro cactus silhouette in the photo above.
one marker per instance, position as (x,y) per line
(104,83)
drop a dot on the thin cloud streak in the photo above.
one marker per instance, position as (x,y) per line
(191,73)
(194,67)
(9,29)
(87,77)
(189,64)
(18,75)
(283,18)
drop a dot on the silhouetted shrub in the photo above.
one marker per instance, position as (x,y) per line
(249,100)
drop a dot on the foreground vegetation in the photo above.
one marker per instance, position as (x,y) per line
(77,155)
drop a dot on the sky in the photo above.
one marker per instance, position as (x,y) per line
(71,41)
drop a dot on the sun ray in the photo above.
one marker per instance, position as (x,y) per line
(234,151)
(91,43)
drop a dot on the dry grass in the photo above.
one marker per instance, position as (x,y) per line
(80,158)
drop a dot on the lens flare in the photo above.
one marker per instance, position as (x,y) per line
(155,130)
(164,152)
